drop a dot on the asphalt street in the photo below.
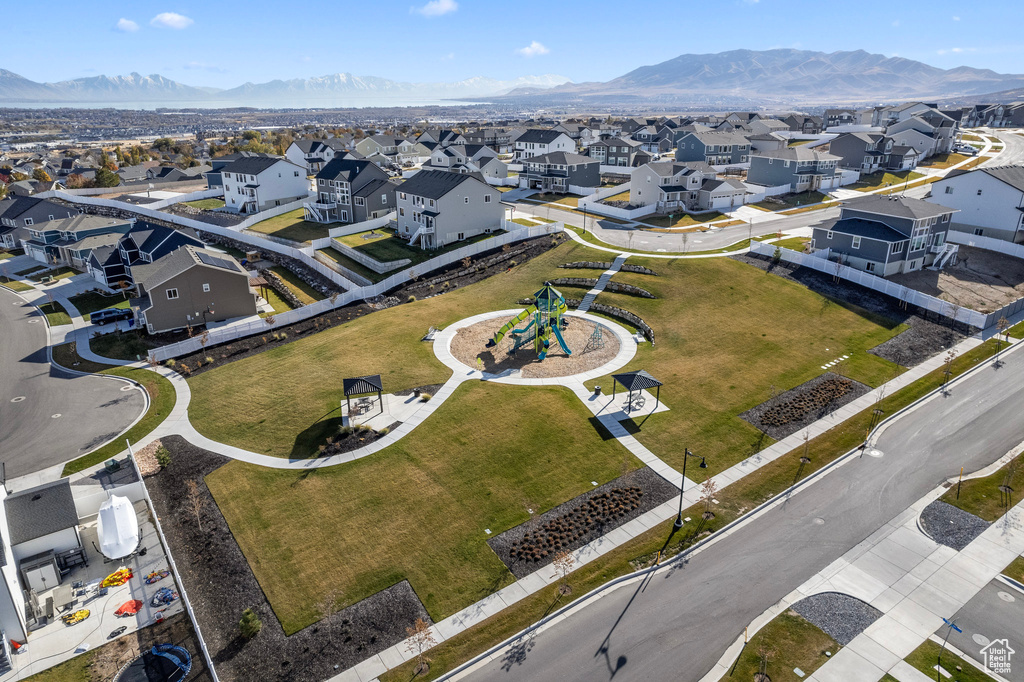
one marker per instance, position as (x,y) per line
(48,416)
(677,624)
(1013,150)
(997,612)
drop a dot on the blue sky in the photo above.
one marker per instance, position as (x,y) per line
(228,43)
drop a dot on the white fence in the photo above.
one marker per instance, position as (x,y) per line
(987,243)
(364,260)
(848,176)
(603,193)
(225,334)
(503,182)
(622,213)
(911,296)
(756,193)
(190,196)
(353,228)
(616,170)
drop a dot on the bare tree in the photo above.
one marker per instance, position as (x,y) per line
(327,607)
(686,238)
(421,639)
(564,563)
(707,496)
(195,501)
(950,357)
(1002,327)
(765,653)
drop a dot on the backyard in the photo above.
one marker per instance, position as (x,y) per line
(981,280)
(785,201)
(353,265)
(206,204)
(884,179)
(291,226)
(387,245)
(305,293)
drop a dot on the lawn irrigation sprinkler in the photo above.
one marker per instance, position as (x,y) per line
(545,319)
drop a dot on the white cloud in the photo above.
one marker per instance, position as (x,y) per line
(532,50)
(956,18)
(956,50)
(126,25)
(171,20)
(436,8)
(203,66)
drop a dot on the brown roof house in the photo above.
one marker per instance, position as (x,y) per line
(190,287)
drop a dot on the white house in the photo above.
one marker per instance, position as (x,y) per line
(990,201)
(255,184)
(313,154)
(537,141)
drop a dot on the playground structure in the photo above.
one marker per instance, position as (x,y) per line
(547,319)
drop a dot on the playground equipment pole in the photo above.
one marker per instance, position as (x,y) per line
(682,484)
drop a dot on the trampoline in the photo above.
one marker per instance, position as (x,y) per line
(162,663)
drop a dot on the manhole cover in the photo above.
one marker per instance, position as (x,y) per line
(18,399)
(819,521)
(1006,596)
(55,416)
(33,321)
(873,452)
(980,640)
(127,388)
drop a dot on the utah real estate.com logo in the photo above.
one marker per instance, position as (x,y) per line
(997,655)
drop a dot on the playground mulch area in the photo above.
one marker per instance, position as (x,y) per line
(470,343)
(653,489)
(221,585)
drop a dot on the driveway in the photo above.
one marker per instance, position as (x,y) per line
(49,416)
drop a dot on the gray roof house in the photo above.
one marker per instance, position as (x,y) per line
(537,141)
(42,519)
(990,201)
(255,184)
(70,241)
(438,207)
(801,168)
(716,148)
(18,213)
(561,172)
(336,185)
(675,186)
(887,235)
(865,152)
(617,151)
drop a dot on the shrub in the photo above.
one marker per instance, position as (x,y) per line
(412,299)
(163,457)
(363,428)
(171,362)
(344,431)
(250,624)
(209,360)
(511,263)
(424,397)
(284,335)
(383,432)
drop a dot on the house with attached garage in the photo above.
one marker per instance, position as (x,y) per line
(257,183)
(715,148)
(768,125)
(338,185)
(537,141)
(989,201)
(931,133)
(436,208)
(18,214)
(887,235)
(70,241)
(561,173)
(865,152)
(314,154)
(801,168)
(471,158)
(189,287)
(675,186)
(617,151)
(144,243)
(803,124)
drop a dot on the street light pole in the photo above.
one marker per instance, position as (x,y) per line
(682,485)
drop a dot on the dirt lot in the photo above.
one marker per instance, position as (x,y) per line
(982,280)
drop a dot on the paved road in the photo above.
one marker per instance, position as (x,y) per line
(677,625)
(1013,151)
(989,616)
(92,410)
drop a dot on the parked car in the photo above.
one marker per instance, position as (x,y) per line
(966,149)
(106,315)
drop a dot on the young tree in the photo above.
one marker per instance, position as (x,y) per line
(41,175)
(950,357)
(564,563)
(707,496)
(250,624)
(195,501)
(106,178)
(74,181)
(1002,327)
(421,639)
(327,607)
(765,653)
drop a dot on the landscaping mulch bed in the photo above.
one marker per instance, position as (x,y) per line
(928,335)
(799,407)
(838,615)
(221,585)
(431,389)
(951,526)
(108,659)
(353,440)
(654,491)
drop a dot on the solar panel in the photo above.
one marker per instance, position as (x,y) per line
(216,262)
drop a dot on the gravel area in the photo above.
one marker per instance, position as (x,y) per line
(928,335)
(981,280)
(221,585)
(470,343)
(654,491)
(756,415)
(951,526)
(838,615)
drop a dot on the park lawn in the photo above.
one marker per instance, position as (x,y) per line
(62,272)
(982,497)
(796,642)
(417,510)
(943,160)
(884,179)
(682,220)
(55,313)
(283,417)
(303,291)
(926,657)
(353,265)
(726,333)
(291,226)
(91,301)
(1016,569)
(206,204)
(276,301)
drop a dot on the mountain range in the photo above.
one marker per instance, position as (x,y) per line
(734,78)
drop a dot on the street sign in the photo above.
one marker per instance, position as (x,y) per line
(952,625)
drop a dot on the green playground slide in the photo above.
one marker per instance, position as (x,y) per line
(511,325)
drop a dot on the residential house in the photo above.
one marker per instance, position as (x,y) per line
(675,186)
(654,140)
(841,117)
(314,154)
(886,235)
(213,176)
(1002,116)
(340,182)
(803,124)
(886,116)
(573,130)
(715,148)
(767,142)
(618,151)
(18,214)
(931,134)
(436,208)
(865,152)
(903,158)
(443,137)
(561,173)
(257,183)
(144,243)
(191,286)
(496,138)
(70,241)
(768,125)
(537,142)
(801,168)
(990,201)
(472,158)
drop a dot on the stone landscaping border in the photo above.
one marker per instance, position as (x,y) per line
(591,265)
(613,286)
(620,313)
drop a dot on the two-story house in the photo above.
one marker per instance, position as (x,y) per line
(314,154)
(675,186)
(443,137)
(144,243)
(654,140)
(768,125)
(561,173)
(801,168)
(255,184)
(767,142)
(70,241)
(990,201)
(931,134)
(213,176)
(338,185)
(715,148)
(18,214)
(470,158)
(618,151)
(191,286)
(803,124)
(537,141)
(886,235)
(436,208)
(866,152)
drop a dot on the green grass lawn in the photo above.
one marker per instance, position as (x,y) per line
(418,509)
(883,179)
(28,271)
(353,265)
(276,301)
(386,246)
(525,221)
(1016,569)
(943,160)
(62,272)
(78,669)
(291,226)
(92,301)
(682,219)
(4,255)
(796,644)
(1017,331)
(552,198)
(798,142)
(121,346)
(207,204)
(726,333)
(55,313)
(971,137)
(982,497)
(926,657)
(15,285)
(794,243)
(621,196)
(792,201)
(303,291)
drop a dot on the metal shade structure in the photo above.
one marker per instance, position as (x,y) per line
(360,386)
(635,382)
(117,527)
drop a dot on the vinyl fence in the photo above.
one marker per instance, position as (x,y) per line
(225,334)
(353,228)
(987,243)
(191,196)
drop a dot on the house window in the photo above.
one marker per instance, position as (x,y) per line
(979,192)
(949,190)
(28,221)
(487,198)
(172,294)
(401,211)
(856,243)
(945,218)
(384,199)
(401,195)
(896,247)
(461,236)
(466,200)
(206,288)
(870,267)
(296,173)
(829,235)
(978,231)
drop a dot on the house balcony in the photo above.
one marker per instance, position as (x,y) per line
(325,205)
